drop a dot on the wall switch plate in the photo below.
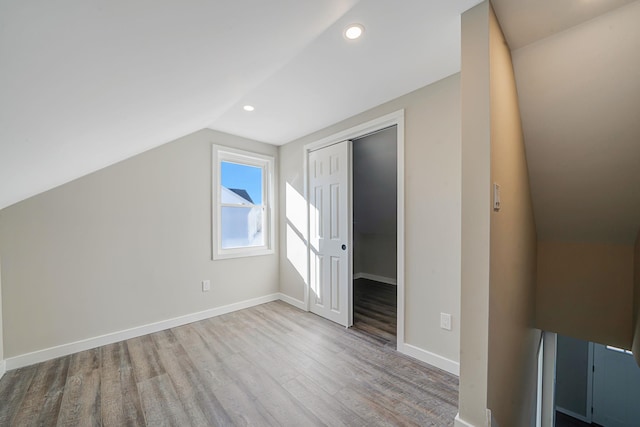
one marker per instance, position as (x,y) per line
(206,285)
(445,321)
(496,197)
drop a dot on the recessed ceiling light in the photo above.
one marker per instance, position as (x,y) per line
(248,108)
(353,31)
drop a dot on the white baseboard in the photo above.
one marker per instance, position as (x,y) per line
(3,368)
(376,278)
(292,301)
(431,358)
(74,347)
(459,422)
(573,414)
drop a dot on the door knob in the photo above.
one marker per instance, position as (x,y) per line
(344,247)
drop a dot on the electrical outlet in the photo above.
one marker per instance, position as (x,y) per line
(445,321)
(206,285)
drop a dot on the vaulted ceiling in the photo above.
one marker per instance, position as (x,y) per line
(86,84)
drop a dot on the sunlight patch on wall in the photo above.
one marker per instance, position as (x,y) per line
(297,252)
(296,210)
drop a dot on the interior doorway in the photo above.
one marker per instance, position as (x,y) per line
(324,283)
(374,201)
(597,384)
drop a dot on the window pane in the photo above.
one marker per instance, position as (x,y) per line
(244,183)
(242,227)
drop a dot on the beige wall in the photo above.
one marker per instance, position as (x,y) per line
(498,344)
(122,247)
(585,290)
(476,205)
(513,341)
(636,299)
(432,212)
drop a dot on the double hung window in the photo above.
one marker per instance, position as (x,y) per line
(242,203)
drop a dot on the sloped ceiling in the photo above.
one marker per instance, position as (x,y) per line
(526,21)
(579,94)
(84,84)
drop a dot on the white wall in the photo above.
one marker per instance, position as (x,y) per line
(432,212)
(476,205)
(120,248)
(374,204)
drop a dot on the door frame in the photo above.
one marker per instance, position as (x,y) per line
(393,119)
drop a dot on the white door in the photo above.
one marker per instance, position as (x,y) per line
(329,232)
(616,388)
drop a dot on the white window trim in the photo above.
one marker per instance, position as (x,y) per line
(219,154)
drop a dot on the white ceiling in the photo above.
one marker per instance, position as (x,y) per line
(86,84)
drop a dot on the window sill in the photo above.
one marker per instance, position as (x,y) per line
(242,253)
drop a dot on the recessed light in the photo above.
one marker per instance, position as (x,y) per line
(353,31)
(248,108)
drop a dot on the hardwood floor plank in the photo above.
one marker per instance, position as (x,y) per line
(160,403)
(283,360)
(41,404)
(120,401)
(301,358)
(13,388)
(144,358)
(213,333)
(275,399)
(373,413)
(375,309)
(397,399)
(200,404)
(81,400)
(238,402)
(323,405)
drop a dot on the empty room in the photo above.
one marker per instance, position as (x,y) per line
(338,212)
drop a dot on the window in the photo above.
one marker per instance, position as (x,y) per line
(242,203)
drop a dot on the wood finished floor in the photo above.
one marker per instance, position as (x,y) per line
(375,310)
(563,420)
(271,365)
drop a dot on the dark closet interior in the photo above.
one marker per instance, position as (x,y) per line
(375,234)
